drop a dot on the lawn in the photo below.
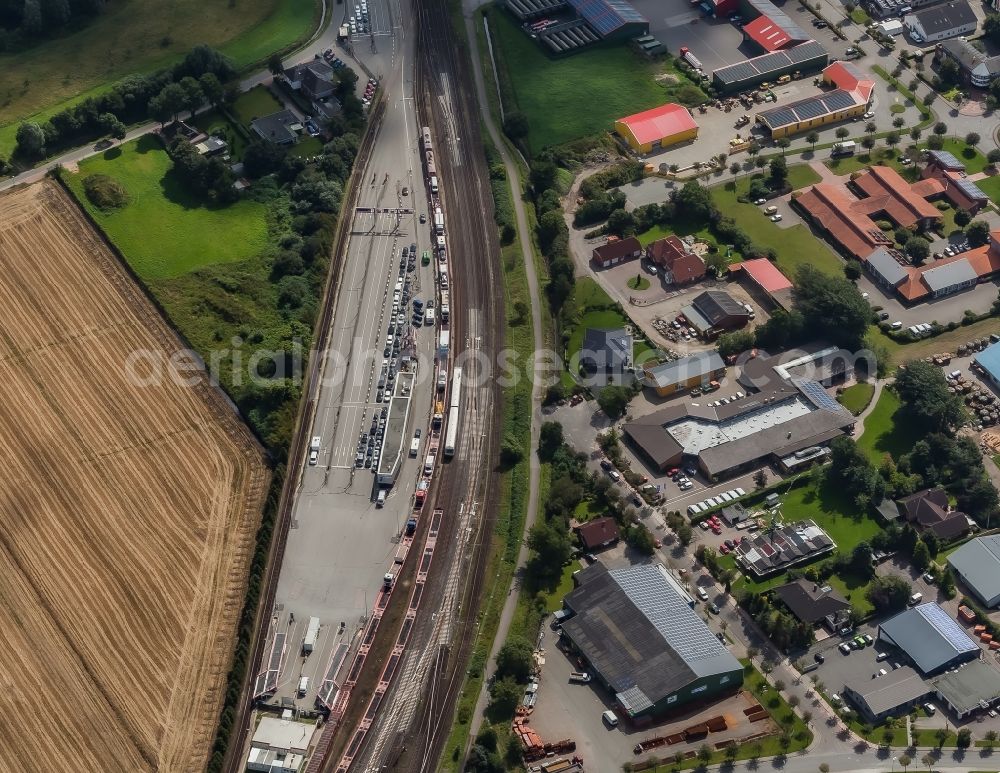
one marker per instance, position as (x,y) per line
(879,155)
(886,430)
(801,175)
(574,96)
(929,737)
(795,246)
(164,231)
(638,283)
(856,397)
(255,103)
(307,146)
(991,187)
(858,16)
(139,36)
(593,308)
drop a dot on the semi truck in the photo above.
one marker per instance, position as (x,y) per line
(690,58)
(312,633)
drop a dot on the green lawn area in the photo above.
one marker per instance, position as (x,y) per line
(856,397)
(801,175)
(164,231)
(139,36)
(574,96)
(929,737)
(879,155)
(638,282)
(853,588)
(886,431)
(991,187)
(255,103)
(588,300)
(555,598)
(307,146)
(795,246)
(858,16)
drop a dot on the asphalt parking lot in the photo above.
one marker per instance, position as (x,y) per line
(676,23)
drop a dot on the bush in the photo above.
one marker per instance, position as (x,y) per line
(105,192)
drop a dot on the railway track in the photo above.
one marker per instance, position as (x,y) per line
(416,716)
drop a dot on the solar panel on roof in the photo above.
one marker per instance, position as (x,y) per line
(808,50)
(838,100)
(971,190)
(817,395)
(808,109)
(606,16)
(945,626)
(778,117)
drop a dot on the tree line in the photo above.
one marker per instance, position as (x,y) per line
(163,94)
(21,21)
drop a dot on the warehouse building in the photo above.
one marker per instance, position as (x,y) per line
(978,69)
(849,99)
(644,643)
(988,362)
(939,22)
(572,25)
(764,281)
(715,311)
(657,128)
(977,564)
(968,688)
(698,370)
(891,695)
(802,58)
(932,640)
(782,420)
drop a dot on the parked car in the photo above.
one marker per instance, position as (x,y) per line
(818,657)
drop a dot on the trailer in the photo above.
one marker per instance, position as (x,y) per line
(451,434)
(438,220)
(690,58)
(312,633)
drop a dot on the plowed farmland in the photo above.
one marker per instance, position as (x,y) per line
(128,506)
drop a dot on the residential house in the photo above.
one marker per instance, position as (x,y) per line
(606,355)
(949,172)
(281,128)
(314,79)
(939,22)
(598,533)
(815,604)
(680,265)
(929,510)
(617,251)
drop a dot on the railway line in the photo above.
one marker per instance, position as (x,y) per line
(416,714)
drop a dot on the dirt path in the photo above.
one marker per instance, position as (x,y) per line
(127,512)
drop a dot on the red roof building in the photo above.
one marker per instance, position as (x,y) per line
(658,127)
(831,208)
(598,533)
(846,76)
(617,251)
(680,264)
(848,217)
(765,275)
(768,34)
(970,268)
(887,192)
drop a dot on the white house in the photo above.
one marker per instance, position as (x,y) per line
(940,22)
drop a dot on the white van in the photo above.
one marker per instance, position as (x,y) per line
(313,458)
(916,598)
(303,686)
(609,718)
(694,509)
(702,593)
(770,210)
(380,500)
(428,316)
(429,464)
(414,447)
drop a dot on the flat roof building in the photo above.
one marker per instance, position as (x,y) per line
(969,688)
(930,638)
(657,128)
(765,280)
(279,745)
(782,418)
(890,695)
(644,643)
(977,565)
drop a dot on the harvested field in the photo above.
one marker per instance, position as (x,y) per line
(127,514)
